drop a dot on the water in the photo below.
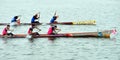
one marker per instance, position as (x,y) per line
(105,12)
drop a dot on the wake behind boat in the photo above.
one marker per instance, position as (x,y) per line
(86,22)
(103,34)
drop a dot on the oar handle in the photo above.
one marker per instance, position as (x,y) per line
(55,13)
(38,16)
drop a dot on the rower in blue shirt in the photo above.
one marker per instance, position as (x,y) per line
(53,20)
(15,20)
(35,18)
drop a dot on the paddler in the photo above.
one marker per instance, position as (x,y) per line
(35,18)
(15,20)
(53,30)
(5,31)
(54,18)
(30,30)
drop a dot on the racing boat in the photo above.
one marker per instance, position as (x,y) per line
(103,34)
(86,22)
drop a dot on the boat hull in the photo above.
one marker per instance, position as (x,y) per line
(83,34)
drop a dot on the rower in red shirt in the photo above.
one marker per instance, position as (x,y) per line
(30,30)
(53,30)
(5,31)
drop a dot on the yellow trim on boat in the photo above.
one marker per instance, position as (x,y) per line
(84,22)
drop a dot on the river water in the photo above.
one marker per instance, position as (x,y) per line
(105,12)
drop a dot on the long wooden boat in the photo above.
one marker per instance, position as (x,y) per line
(104,34)
(87,22)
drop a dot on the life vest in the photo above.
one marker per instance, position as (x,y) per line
(4,32)
(53,19)
(33,19)
(50,31)
(13,20)
(30,29)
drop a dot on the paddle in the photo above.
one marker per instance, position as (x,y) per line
(38,16)
(55,13)
(57,30)
(38,29)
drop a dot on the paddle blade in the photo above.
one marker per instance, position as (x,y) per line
(113,33)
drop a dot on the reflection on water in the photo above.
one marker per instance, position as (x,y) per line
(4,40)
(40,48)
(31,40)
(49,39)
